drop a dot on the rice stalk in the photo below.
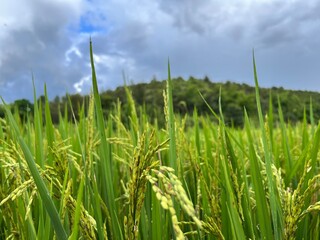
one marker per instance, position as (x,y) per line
(143,162)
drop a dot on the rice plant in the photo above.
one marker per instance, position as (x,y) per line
(101,178)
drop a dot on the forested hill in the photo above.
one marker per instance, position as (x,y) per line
(234,98)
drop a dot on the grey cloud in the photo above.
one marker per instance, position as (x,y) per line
(263,24)
(48,21)
(208,37)
(187,15)
(285,23)
(39,50)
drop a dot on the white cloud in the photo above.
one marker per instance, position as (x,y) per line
(71,52)
(15,16)
(78,86)
(113,62)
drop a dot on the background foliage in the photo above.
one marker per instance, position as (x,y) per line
(235,97)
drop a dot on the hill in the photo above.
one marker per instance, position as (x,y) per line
(235,98)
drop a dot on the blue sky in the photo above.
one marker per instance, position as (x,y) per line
(50,39)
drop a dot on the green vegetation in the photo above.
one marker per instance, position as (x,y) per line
(116,172)
(185,98)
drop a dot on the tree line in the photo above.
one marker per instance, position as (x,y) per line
(188,96)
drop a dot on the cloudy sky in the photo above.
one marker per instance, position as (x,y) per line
(49,39)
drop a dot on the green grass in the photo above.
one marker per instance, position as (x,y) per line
(101,178)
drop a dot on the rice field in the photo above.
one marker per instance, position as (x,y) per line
(100,178)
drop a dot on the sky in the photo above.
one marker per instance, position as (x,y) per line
(47,42)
